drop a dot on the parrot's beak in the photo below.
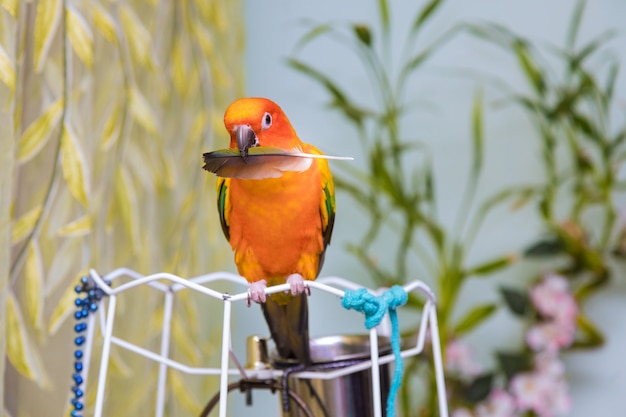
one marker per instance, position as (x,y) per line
(246,139)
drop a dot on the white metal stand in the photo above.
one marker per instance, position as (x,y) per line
(198,284)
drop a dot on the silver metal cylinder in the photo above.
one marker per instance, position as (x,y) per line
(350,395)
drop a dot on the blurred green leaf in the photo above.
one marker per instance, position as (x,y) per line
(592,261)
(382,173)
(474,317)
(383,11)
(414,63)
(503,37)
(477,134)
(420,57)
(340,100)
(545,248)
(531,105)
(506,194)
(492,266)
(572,32)
(479,388)
(429,182)
(314,33)
(586,126)
(610,82)
(490,31)
(588,333)
(424,14)
(619,139)
(593,45)
(529,66)
(513,363)
(522,193)
(516,300)
(363,34)
(316,75)
(523,197)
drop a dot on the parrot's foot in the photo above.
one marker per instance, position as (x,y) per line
(256,292)
(296,284)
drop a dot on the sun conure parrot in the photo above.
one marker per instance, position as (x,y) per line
(276,202)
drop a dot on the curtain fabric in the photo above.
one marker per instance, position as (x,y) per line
(107,108)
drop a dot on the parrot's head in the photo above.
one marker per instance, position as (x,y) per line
(258,122)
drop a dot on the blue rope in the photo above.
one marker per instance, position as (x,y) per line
(374,309)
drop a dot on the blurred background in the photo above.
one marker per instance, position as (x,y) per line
(488,140)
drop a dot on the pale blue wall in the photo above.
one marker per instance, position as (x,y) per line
(273,27)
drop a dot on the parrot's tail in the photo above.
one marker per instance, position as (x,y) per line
(289,326)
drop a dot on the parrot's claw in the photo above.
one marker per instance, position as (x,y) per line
(296,284)
(256,292)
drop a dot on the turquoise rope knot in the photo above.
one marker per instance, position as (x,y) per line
(374,309)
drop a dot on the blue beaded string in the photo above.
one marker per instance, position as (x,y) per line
(374,308)
(85,305)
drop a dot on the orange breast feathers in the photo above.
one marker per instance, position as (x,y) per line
(276,225)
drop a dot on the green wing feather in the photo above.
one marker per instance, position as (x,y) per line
(327,208)
(223,204)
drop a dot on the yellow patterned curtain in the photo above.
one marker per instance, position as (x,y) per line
(107,107)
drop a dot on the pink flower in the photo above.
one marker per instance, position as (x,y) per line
(552,299)
(541,392)
(499,404)
(548,363)
(459,359)
(550,336)
(560,401)
(531,392)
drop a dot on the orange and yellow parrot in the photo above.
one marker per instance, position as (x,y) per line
(276,204)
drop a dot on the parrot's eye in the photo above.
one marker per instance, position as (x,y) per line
(267,121)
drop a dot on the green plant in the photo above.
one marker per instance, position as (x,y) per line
(571,101)
(572,109)
(397,193)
